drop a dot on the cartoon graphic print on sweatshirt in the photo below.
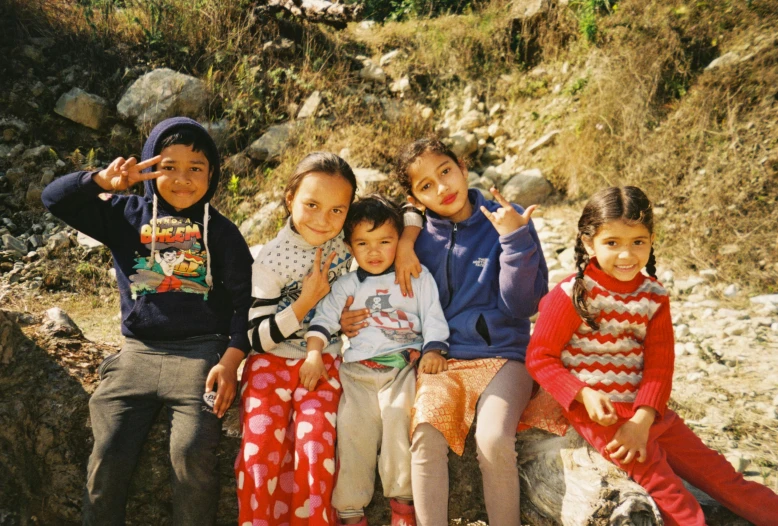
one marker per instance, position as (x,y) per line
(393,323)
(178,262)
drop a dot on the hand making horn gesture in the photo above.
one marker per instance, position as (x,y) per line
(506,219)
(123,173)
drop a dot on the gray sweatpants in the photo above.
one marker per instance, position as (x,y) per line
(497,417)
(135,385)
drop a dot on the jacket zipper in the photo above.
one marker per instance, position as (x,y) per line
(448,264)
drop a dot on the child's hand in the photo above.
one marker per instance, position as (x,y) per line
(406,265)
(316,285)
(432,362)
(225,375)
(506,219)
(352,320)
(312,369)
(598,406)
(123,173)
(630,440)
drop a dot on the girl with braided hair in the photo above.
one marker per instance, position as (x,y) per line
(603,347)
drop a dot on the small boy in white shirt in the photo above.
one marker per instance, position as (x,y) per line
(379,387)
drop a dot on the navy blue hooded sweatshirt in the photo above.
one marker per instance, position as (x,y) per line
(179,275)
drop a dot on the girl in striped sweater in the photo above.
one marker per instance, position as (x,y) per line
(289,395)
(603,347)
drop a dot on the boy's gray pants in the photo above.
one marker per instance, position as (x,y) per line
(136,384)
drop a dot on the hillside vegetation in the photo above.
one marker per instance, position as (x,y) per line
(624,82)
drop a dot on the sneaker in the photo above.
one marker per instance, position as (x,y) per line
(402,514)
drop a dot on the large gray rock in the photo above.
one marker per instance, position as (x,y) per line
(527,188)
(160,94)
(14,244)
(310,106)
(82,107)
(462,143)
(272,143)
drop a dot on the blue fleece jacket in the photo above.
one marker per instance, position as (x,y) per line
(489,284)
(163,282)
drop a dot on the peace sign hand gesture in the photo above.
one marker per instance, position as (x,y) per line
(123,173)
(506,219)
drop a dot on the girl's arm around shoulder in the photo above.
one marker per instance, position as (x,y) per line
(434,327)
(554,328)
(233,260)
(74,199)
(326,321)
(523,271)
(658,358)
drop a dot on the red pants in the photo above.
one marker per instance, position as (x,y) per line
(674,452)
(286,464)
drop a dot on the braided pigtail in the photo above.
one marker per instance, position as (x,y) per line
(579,289)
(651,265)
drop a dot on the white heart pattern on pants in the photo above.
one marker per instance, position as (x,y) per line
(280,434)
(331,418)
(303,428)
(252,403)
(250,449)
(284,394)
(303,511)
(271,485)
(329,465)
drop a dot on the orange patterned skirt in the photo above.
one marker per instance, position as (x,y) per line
(447,401)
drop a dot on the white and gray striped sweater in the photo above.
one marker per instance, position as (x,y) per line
(276,282)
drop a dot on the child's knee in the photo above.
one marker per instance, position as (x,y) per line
(495,447)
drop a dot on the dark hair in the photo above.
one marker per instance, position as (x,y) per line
(324,162)
(190,138)
(376,209)
(624,203)
(413,151)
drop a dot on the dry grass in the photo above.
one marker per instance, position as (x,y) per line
(699,142)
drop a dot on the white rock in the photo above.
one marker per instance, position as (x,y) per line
(726,250)
(389,57)
(680,350)
(310,106)
(724,60)
(557,275)
(112,273)
(372,72)
(694,377)
(400,85)
(731,291)
(471,120)
(426,113)
(82,107)
(543,141)
(709,274)
(774,327)
(716,369)
(666,277)
(681,331)
(552,264)
(738,461)
(567,258)
(765,299)
(160,94)
(692,348)
(86,241)
(687,285)
(462,143)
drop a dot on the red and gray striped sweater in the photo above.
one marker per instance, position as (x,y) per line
(629,358)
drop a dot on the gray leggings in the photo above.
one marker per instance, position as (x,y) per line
(497,416)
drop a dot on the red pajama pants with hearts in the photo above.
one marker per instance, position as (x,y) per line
(285,468)
(673,453)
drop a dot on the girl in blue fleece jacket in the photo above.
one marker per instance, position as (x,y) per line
(486,259)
